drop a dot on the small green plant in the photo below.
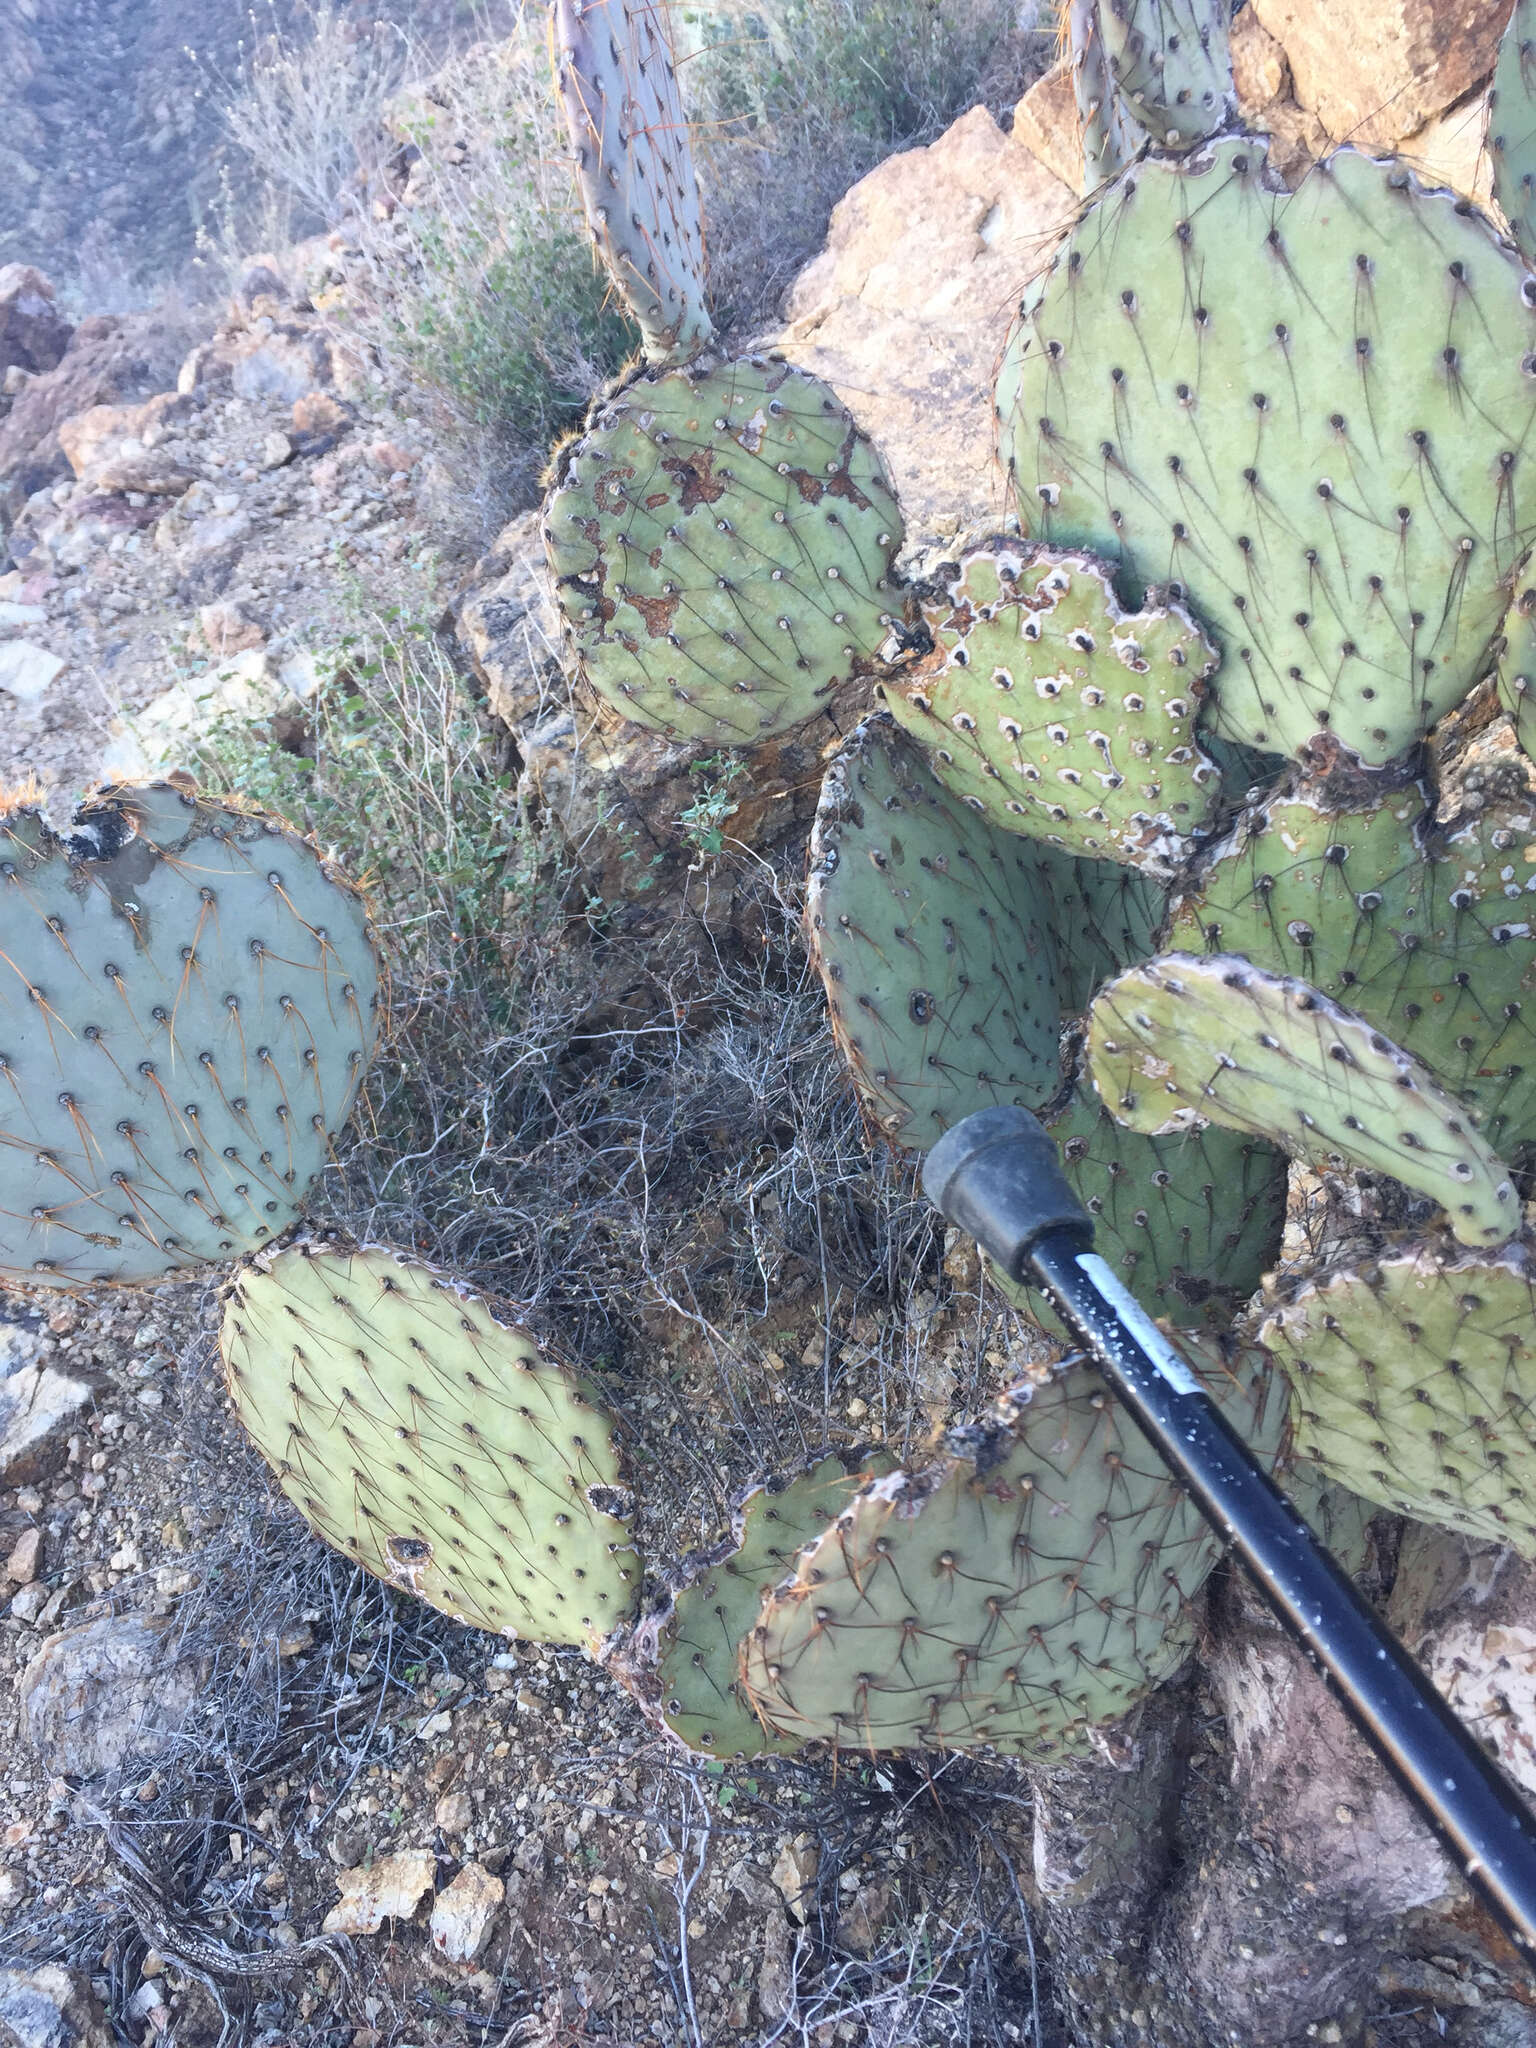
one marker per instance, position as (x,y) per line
(703,821)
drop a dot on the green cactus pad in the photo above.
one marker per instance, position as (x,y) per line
(933,936)
(617,86)
(1171,62)
(192,1000)
(1107,917)
(1111,137)
(1517,667)
(1055,712)
(433,1442)
(1340,1520)
(1425,933)
(1414,1381)
(722,540)
(1016,1593)
(1182,1040)
(1190,1222)
(1307,412)
(1512,126)
(683,1659)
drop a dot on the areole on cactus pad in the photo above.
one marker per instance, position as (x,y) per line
(1309,411)
(417,1428)
(722,540)
(191,996)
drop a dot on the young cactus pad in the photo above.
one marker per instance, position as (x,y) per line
(1180,1040)
(1415,1383)
(1512,126)
(722,540)
(1426,933)
(1308,411)
(617,84)
(190,998)
(432,1442)
(1015,1593)
(1055,712)
(683,1660)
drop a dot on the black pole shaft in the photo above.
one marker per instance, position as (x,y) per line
(1473,1809)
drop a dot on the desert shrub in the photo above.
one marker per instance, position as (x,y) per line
(795,100)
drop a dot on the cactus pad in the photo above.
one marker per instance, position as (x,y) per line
(1414,1383)
(933,936)
(1017,1592)
(1181,1040)
(1425,933)
(1339,1519)
(1512,126)
(1517,668)
(683,1660)
(1171,62)
(192,999)
(617,85)
(1309,412)
(1055,712)
(431,1441)
(1190,1222)
(722,541)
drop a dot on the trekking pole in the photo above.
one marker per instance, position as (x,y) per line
(997,1176)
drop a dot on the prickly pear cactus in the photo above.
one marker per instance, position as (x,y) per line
(1424,931)
(1055,712)
(1181,1039)
(1512,126)
(932,936)
(1306,411)
(1414,1378)
(722,540)
(1172,64)
(1517,667)
(432,1441)
(1016,1593)
(683,1658)
(193,997)
(617,85)
(1191,1222)
(1111,134)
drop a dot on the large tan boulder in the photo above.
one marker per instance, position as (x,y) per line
(1377,70)
(905,310)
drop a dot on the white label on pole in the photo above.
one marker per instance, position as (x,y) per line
(1170,1366)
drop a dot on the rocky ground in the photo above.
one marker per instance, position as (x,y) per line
(247,1796)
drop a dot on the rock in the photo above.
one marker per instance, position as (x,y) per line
(51,2008)
(454,1813)
(317,412)
(33,332)
(29,1604)
(1260,73)
(860,1921)
(1449,150)
(510,630)
(1377,70)
(109,360)
(973,216)
(103,1695)
(390,1889)
(276,450)
(464,1915)
(26,1558)
(27,671)
(794,1872)
(229,628)
(1467,1611)
(286,364)
(40,1405)
(1045,121)
(775,1973)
